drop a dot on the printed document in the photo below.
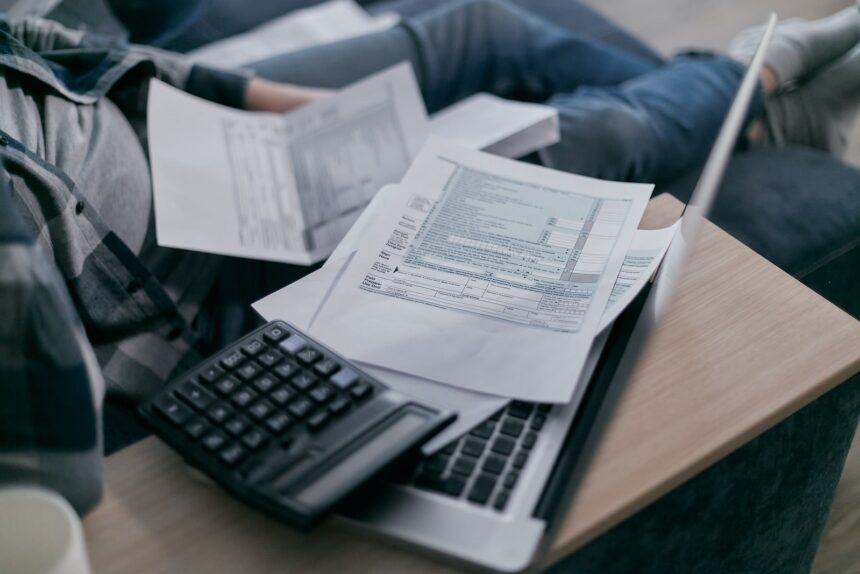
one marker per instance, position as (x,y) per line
(326,22)
(497,126)
(493,275)
(273,186)
(641,261)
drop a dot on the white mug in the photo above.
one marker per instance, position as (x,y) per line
(40,533)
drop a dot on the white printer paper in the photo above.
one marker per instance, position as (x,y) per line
(493,275)
(641,261)
(498,126)
(326,22)
(278,187)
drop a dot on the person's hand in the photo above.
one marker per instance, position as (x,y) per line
(265,96)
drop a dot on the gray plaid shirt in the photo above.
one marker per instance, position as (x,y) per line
(77,276)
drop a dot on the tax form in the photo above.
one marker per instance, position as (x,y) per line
(281,187)
(493,275)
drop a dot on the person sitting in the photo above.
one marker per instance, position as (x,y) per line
(77,248)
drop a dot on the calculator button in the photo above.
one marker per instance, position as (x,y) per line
(196,427)
(232,360)
(254,439)
(237,426)
(344,378)
(253,348)
(172,410)
(233,454)
(361,391)
(286,370)
(243,397)
(249,370)
(339,406)
(303,381)
(274,334)
(308,356)
(261,409)
(213,441)
(265,383)
(278,423)
(195,395)
(211,373)
(318,420)
(281,395)
(227,385)
(270,358)
(322,394)
(219,412)
(326,367)
(293,344)
(300,407)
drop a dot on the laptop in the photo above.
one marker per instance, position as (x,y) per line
(495,497)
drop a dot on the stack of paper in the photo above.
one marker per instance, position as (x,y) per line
(287,187)
(380,243)
(326,22)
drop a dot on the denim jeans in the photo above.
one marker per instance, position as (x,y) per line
(622,117)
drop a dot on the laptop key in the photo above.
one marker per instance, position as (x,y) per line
(474,447)
(464,465)
(529,440)
(520,459)
(511,479)
(482,489)
(501,500)
(520,409)
(454,486)
(512,427)
(494,464)
(503,445)
(484,430)
(436,464)
(538,422)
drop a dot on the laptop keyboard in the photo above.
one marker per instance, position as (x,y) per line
(484,466)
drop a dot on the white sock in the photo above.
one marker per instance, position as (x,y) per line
(801,47)
(820,113)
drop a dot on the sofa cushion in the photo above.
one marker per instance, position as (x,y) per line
(797,207)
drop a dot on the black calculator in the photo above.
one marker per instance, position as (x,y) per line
(287,425)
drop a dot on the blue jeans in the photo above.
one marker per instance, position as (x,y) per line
(622,117)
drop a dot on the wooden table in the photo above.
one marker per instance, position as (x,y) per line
(743,347)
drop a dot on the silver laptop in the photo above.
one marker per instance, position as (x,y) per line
(494,497)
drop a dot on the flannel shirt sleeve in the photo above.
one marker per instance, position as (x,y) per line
(110,60)
(51,388)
